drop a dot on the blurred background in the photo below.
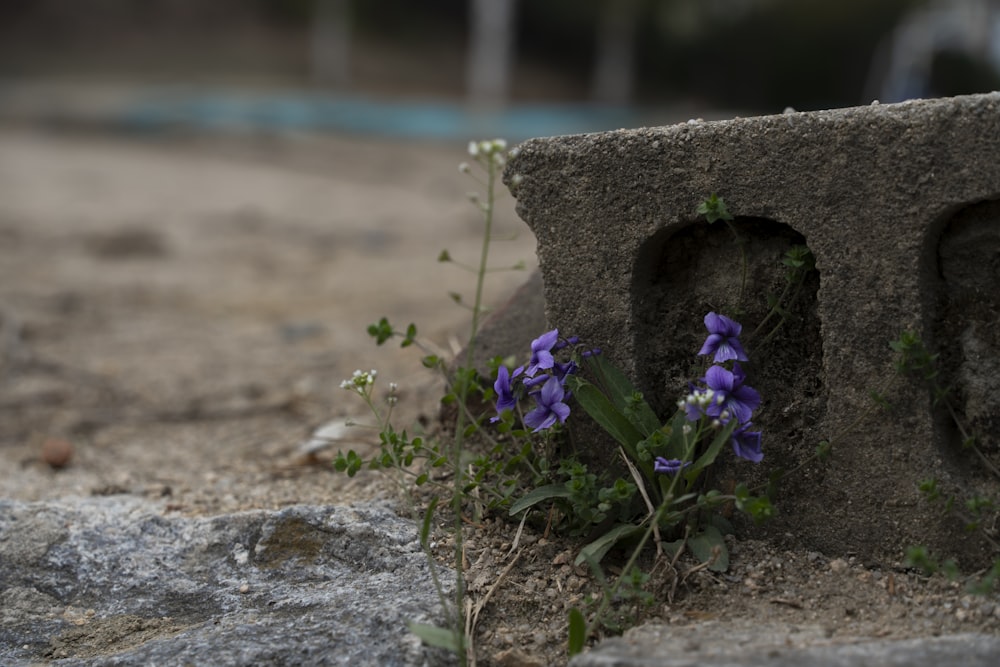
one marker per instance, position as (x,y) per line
(203,203)
(447,68)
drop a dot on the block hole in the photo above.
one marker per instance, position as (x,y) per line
(965,328)
(687,271)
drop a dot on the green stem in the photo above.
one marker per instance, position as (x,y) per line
(460,421)
(668,499)
(743,255)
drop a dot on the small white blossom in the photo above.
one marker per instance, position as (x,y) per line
(360,381)
(473,149)
(464,167)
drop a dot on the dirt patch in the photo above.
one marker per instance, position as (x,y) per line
(183,312)
(95,637)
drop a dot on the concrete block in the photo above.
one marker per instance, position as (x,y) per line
(899,204)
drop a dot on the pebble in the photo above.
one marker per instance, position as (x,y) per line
(57,452)
(838,565)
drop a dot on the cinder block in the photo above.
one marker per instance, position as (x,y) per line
(900,205)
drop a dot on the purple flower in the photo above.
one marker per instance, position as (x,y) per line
(541,352)
(731,395)
(504,390)
(572,340)
(562,370)
(747,445)
(722,339)
(669,466)
(532,382)
(550,406)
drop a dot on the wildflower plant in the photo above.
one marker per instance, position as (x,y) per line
(667,460)
(518,463)
(465,474)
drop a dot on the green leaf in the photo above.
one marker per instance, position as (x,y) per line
(709,544)
(673,548)
(381,332)
(538,495)
(599,547)
(620,390)
(432,635)
(425,525)
(706,459)
(714,208)
(600,409)
(411,334)
(577,632)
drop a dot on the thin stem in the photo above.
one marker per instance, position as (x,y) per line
(741,243)
(458,446)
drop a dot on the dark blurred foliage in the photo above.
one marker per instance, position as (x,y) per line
(954,73)
(763,54)
(738,54)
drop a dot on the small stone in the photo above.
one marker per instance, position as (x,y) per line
(838,565)
(562,558)
(57,452)
(513,657)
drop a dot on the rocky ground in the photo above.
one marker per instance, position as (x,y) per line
(177,316)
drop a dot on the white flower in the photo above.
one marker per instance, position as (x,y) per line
(473,149)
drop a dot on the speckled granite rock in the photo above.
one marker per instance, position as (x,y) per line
(115,581)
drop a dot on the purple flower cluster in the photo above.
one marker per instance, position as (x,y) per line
(544,378)
(723,396)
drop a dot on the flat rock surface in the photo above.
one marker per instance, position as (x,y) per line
(101,581)
(759,645)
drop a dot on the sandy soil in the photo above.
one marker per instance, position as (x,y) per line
(182,312)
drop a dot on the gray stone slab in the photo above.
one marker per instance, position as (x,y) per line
(718,645)
(114,581)
(900,205)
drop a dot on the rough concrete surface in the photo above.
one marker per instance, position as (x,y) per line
(629,266)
